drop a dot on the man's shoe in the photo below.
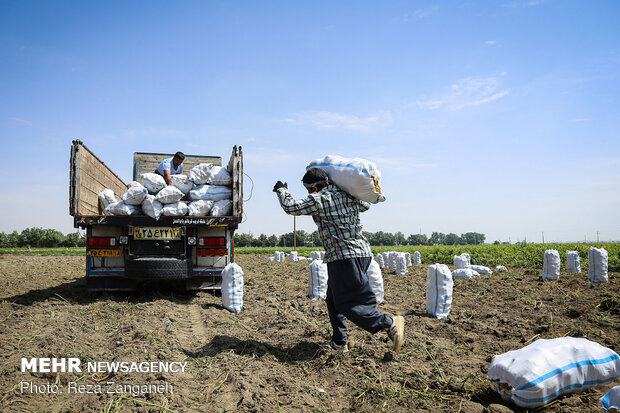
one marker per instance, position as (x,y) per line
(396,332)
(330,345)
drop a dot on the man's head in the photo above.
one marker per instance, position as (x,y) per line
(315,179)
(178,159)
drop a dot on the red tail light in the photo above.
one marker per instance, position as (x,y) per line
(211,252)
(101,241)
(212,242)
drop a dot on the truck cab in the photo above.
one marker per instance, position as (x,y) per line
(123,253)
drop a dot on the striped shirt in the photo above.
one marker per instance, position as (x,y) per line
(337,216)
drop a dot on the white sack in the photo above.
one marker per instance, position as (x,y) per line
(282,256)
(315,255)
(598,260)
(393,258)
(611,400)
(178,209)
(573,264)
(380,261)
(499,268)
(466,255)
(153,182)
(538,373)
(357,177)
(214,193)
(220,176)
(439,286)
(121,208)
(481,269)
(182,182)
(551,265)
(417,259)
(134,195)
(152,207)
(221,208)
(200,173)
(271,259)
(322,258)
(134,183)
(106,197)
(401,264)
(465,274)
(169,195)
(232,287)
(200,208)
(293,256)
(386,260)
(376,280)
(460,262)
(317,282)
(408,259)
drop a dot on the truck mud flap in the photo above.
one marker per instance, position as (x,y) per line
(158,269)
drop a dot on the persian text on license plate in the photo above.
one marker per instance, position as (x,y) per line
(156,233)
(114,252)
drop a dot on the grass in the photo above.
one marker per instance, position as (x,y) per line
(44,251)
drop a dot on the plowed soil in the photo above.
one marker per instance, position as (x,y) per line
(269,358)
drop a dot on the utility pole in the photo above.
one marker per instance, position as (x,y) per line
(597,239)
(543,237)
(294,233)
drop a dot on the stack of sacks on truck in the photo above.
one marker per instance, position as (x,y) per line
(205,192)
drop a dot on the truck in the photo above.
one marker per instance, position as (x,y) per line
(125,253)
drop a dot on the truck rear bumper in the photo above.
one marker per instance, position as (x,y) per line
(158,269)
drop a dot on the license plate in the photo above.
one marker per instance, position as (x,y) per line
(148,233)
(115,252)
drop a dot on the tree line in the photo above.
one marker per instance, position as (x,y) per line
(305,239)
(40,238)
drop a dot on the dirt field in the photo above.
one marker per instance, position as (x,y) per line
(268,358)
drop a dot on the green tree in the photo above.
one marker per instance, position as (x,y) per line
(417,239)
(32,237)
(272,241)
(399,239)
(452,239)
(315,239)
(437,238)
(243,240)
(51,239)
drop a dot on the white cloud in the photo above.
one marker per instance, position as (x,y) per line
(335,120)
(467,92)
(491,42)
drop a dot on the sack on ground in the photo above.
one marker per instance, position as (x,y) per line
(408,259)
(481,269)
(200,173)
(121,208)
(214,193)
(439,286)
(232,288)
(200,208)
(221,208)
(169,195)
(220,176)
(551,265)
(293,256)
(573,264)
(401,263)
(178,209)
(610,402)
(106,197)
(317,283)
(380,261)
(598,261)
(376,280)
(465,274)
(135,194)
(538,373)
(153,182)
(417,258)
(152,207)
(460,262)
(468,257)
(182,182)
(357,177)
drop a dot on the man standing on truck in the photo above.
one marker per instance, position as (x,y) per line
(171,166)
(348,256)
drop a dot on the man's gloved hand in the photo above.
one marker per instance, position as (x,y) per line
(279,185)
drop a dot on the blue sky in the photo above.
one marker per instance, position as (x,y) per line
(500,117)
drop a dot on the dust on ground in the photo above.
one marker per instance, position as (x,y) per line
(268,357)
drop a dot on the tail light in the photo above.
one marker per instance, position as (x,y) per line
(101,242)
(212,242)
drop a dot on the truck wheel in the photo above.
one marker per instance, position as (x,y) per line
(158,269)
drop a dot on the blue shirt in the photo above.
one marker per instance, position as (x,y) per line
(167,165)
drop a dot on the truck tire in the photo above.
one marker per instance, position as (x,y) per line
(158,269)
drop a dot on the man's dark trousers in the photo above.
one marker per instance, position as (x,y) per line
(349,296)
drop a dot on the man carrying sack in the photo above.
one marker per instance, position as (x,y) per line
(348,255)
